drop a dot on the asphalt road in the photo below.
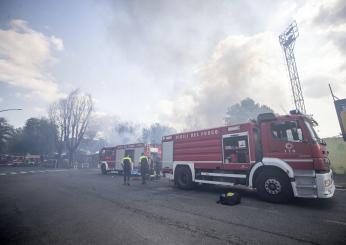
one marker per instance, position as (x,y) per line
(84,207)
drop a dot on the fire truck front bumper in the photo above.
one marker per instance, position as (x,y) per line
(325,185)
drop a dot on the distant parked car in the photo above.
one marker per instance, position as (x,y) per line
(32,160)
(5,159)
(18,161)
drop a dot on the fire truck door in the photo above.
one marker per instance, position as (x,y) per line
(285,140)
(119,154)
(137,153)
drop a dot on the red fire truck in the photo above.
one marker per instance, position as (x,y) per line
(111,157)
(279,156)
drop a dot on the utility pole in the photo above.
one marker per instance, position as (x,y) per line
(287,40)
(16,109)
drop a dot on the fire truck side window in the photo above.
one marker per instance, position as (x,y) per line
(287,131)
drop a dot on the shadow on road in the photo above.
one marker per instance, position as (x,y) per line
(221,189)
(317,204)
(304,203)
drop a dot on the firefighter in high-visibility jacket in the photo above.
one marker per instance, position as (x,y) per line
(127,167)
(144,163)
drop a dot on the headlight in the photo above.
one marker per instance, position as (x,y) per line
(327,182)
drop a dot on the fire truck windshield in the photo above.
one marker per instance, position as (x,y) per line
(313,133)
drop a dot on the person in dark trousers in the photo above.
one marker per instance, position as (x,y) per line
(157,166)
(144,163)
(151,166)
(127,166)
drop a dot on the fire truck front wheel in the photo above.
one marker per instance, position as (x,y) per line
(103,169)
(274,186)
(183,178)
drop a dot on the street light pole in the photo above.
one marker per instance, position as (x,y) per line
(16,109)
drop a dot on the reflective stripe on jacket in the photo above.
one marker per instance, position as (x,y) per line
(129,159)
(144,160)
(143,157)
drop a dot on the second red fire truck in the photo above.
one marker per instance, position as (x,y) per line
(110,158)
(279,156)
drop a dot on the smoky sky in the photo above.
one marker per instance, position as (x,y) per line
(334,15)
(178,63)
(175,41)
(239,69)
(168,39)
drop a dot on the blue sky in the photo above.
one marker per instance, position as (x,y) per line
(180,63)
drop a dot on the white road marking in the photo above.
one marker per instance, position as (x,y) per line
(34,171)
(335,222)
(340,189)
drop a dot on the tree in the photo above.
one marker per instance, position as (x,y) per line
(71,116)
(16,144)
(39,136)
(154,133)
(91,143)
(126,132)
(6,132)
(245,110)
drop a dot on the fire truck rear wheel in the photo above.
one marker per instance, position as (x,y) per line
(103,169)
(183,178)
(274,186)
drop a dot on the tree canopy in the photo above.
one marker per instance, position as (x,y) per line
(154,133)
(6,132)
(244,111)
(39,136)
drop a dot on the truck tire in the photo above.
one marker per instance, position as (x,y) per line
(183,178)
(103,169)
(274,186)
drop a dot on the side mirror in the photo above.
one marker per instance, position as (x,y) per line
(323,142)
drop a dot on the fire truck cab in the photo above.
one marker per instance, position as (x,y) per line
(279,156)
(110,159)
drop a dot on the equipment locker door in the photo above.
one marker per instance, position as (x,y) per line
(137,154)
(120,153)
(236,151)
(167,155)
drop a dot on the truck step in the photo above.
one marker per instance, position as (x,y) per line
(307,186)
(307,195)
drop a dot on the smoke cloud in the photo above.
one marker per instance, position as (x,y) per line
(200,57)
(240,67)
(117,132)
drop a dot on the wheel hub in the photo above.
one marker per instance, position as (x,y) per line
(272,186)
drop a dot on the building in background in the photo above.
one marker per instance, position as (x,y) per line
(337,154)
